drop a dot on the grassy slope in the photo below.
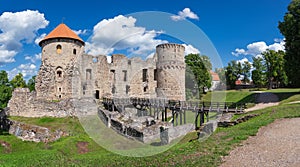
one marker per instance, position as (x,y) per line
(230,96)
(195,153)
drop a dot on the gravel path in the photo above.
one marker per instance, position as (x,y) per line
(277,144)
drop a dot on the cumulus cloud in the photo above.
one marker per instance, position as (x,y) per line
(80,32)
(39,38)
(34,58)
(190,49)
(6,56)
(121,33)
(256,48)
(242,61)
(27,70)
(16,28)
(185,13)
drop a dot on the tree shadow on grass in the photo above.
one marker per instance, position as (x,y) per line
(285,95)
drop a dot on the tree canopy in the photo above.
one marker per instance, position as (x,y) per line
(31,83)
(290,28)
(18,81)
(5,89)
(200,67)
(259,72)
(274,62)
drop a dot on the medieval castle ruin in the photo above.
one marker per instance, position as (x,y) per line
(67,73)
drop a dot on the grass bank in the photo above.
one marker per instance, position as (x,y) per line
(188,152)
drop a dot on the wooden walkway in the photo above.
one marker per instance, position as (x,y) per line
(158,108)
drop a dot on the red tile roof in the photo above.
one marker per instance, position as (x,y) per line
(215,76)
(62,31)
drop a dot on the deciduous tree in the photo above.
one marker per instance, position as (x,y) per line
(5,89)
(18,81)
(200,67)
(290,28)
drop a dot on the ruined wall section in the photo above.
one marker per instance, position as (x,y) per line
(54,80)
(94,80)
(103,79)
(132,77)
(170,71)
(24,103)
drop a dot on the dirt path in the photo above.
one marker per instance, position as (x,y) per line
(277,144)
(264,100)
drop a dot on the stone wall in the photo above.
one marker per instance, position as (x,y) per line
(24,103)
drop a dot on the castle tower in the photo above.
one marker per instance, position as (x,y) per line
(170,71)
(60,49)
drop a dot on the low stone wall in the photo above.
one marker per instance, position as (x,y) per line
(34,133)
(240,120)
(24,103)
(110,119)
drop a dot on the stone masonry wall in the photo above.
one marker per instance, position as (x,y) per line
(24,103)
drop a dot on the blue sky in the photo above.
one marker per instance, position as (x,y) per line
(223,30)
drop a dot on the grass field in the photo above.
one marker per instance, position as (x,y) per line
(188,152)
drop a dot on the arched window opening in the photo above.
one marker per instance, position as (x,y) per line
(88,74)
(74,51)
(59,74)
(58,49)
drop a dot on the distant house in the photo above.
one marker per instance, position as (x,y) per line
(240,85)
(215,81)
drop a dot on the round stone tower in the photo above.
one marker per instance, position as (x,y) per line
(60,49)
(170,71)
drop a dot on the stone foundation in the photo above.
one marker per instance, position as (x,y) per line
(34,133)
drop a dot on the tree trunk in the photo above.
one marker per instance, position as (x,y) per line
(270,80)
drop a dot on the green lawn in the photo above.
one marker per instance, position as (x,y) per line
(230,96)
(188,152)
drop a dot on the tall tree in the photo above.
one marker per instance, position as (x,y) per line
(199,66)
(258,74)
(18,81)
(290,28)
(5,89)
(232,73)
(31,83)
(275,67)
(245,69)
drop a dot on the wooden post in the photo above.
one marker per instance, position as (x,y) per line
(166,114)
(180,112)
(184,117)
(196,120)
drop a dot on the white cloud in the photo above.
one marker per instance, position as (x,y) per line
(238,52)
(256,48)
(39,38)
(80,32)
(185,13)
(6,56)
(121,33)
(242,61)
(34,58)
(16,28)
(27,70)
(190,49)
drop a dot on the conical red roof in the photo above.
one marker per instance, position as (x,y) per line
(62,31)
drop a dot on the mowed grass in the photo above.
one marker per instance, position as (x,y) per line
(188,152)
(239,97)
